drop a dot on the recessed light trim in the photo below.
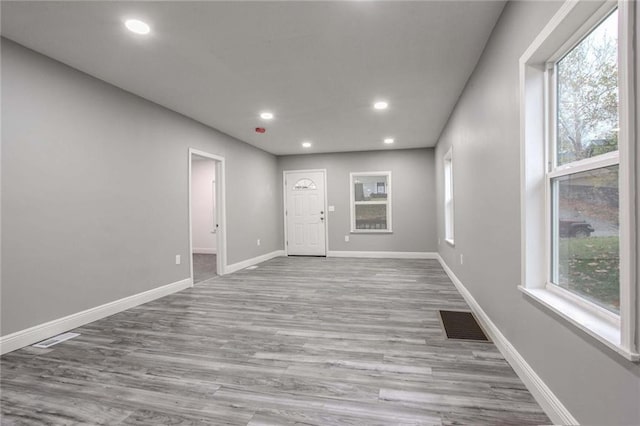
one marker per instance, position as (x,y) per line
(389,141)
(266,115)
(137,26)
(306,144)
(381,105)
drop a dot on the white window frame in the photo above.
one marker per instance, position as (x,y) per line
(353,203)
(572,22)
(449,207)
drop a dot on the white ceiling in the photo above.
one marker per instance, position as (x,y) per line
(318,66)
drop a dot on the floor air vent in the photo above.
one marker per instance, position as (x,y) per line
(462,326)
(55,340)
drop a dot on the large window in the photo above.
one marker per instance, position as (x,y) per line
(371,202)
(448,196)
(583,173)
(578,223)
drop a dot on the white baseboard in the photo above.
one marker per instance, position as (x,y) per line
(40,332)
(253,261)
(204,251)
(549,402)
(384,254)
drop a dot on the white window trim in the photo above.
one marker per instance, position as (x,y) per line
(449,213)
(564,31)
(352,203)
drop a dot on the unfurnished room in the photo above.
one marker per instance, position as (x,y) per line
(359,212)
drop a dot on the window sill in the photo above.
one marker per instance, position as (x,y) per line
(590,323)
(371,231)
(450,242)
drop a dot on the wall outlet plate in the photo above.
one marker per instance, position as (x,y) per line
(332,208)
(346,238)
(178,260)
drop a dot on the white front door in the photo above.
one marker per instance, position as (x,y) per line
(305,213)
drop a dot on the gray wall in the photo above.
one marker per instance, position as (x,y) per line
(637,201)
(595,384)
(95,192)
(413,192)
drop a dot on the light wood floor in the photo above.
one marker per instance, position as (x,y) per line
(296,341)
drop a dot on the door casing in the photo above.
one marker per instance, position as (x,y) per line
(284,210)
(220,207)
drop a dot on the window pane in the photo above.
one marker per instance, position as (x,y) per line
(304,184)
(448,179)
(586,257)
(587,95)
(370,188)
(448,199)
(448,220)
(371,216)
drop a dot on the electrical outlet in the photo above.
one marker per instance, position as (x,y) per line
(332,208)
(346,238)
(461,259)
(438,241)
(258,242)
(178,259)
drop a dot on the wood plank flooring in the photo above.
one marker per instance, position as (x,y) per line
(297,341)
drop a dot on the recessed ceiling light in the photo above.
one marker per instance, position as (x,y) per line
(306,144)
(389,140)
(137,26)
(381,105)
(266,115)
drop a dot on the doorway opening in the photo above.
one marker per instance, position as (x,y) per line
(305,218)
(207,236)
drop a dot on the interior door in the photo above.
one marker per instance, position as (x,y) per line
(305,213)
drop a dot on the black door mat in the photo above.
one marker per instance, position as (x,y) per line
(462,325)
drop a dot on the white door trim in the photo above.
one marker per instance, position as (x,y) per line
(284,207)
(221,215)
